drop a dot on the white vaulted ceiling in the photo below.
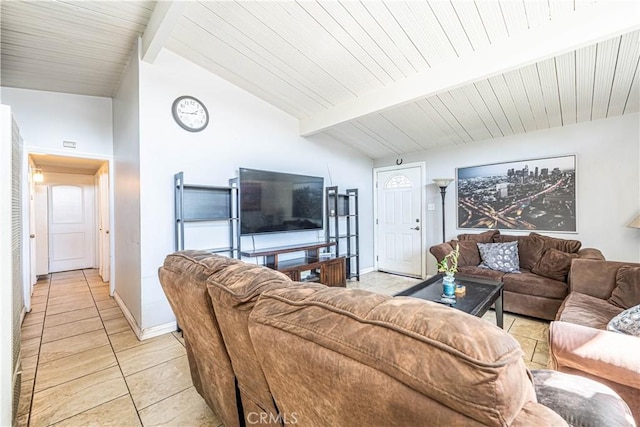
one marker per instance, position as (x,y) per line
(386,77)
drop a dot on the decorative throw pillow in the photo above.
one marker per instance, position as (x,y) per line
(486,237)
(627,291)
(469,254)
(530,248)
(564,245)
(554,264)
(500,256)
(627,322)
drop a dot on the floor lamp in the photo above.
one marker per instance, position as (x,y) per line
(443,183)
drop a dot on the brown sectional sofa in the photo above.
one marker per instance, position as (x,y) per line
(326,356)
(578,340)
(541,286)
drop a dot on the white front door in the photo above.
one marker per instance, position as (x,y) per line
(399,221)
(71,223)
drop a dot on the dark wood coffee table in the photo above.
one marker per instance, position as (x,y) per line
(480,295)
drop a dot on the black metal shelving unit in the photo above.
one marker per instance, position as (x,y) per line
(342,227)
(204,203)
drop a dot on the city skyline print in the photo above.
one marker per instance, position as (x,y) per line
(528,195)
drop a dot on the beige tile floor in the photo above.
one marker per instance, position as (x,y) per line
(83,365)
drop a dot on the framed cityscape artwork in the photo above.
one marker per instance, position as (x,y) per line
(532,195)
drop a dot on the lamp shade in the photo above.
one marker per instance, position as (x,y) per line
(442,182)
(635,223)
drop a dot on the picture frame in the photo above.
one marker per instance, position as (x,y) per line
(524,195)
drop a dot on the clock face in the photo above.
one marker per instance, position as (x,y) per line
(190,113)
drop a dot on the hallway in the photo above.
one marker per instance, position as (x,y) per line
(83,365)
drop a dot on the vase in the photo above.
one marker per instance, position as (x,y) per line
(448,285)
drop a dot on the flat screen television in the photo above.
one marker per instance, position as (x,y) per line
(274,202)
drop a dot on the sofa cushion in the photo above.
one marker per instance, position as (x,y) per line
(530,248)
(554,264)
(532,284)
(626,294)
(458,360)
(480,273)
(486,237)
(564,245)
(587,311)
(500,256)
(469,253)
(627,322)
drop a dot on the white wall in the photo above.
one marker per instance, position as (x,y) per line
(243,131)
(6,270)
(126,194)
(49,118)
(608,178)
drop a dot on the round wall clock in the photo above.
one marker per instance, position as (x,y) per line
(190,113)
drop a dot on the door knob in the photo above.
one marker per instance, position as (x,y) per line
(33,236)
(417,227)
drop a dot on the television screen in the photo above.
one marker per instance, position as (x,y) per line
(277,202)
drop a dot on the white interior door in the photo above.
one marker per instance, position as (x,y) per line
(33,248)
(399,221)
(104,256)
(40,209)
(71,223)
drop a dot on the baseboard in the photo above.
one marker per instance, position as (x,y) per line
(143,334)
(367,270)
(23,313)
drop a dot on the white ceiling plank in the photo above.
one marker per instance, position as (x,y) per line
(375,138)
(380,12)
(488,96)
(359,140)
(558,8)
(165,16)
(625,70)
(436,120)
(416,123)
(492,19)
(537,12)
(395,66)
(550,92)
(448,19)
(585,76)
(532,86)
(436,103)
(504,96)
(633,100)
(520,99)
(474,28)
(349,43)
(515,16)
(606,62)
(261,91)
(458,104)
(247,46)
(566,71)
(480,106)
(265,29)
(387,131)
(590,25)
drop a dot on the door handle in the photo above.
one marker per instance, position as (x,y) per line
(417,227)
(33,236)
(107,232)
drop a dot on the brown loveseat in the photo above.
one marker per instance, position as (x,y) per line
(578,340)
(541,286)
(311,355)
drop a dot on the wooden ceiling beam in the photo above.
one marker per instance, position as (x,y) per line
(583,27)
(163,19)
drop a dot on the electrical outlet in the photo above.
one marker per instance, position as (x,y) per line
(431,207)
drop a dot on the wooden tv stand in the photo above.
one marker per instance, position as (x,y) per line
(310,267)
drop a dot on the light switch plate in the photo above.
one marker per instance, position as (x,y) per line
(431,207)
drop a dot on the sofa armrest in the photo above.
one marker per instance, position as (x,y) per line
(590,253)
(599,353)
(441,250)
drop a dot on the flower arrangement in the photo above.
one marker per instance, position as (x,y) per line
(449,264)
